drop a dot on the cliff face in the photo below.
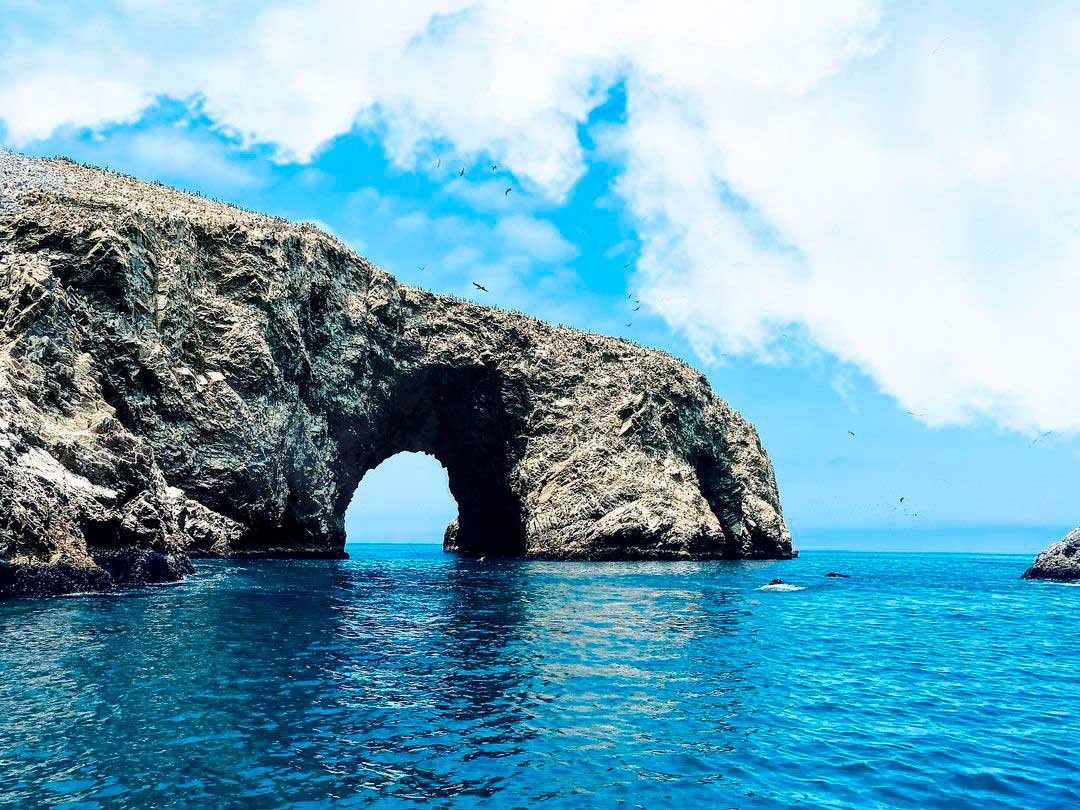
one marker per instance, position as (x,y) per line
(181,377)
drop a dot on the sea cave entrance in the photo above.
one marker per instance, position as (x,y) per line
(441,444)
(405,499)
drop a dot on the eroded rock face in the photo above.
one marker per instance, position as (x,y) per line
(1060,561)
(180,377)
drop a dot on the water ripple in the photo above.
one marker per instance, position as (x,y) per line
(406,678)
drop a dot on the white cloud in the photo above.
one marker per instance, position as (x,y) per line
(522,260)
(536,238)
(904,187)
(167,151)
(170,154)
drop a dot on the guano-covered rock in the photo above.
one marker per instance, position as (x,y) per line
(180,377)
(1061,561)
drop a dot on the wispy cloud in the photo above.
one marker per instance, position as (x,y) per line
(174,154)
(522,259)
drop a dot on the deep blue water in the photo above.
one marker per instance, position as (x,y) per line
(405,677)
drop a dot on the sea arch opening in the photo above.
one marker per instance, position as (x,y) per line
(465,420)
(406,498)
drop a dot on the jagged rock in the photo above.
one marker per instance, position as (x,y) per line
(1060,561)
(210,534)
(179,376)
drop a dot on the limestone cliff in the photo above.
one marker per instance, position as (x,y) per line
(182,377)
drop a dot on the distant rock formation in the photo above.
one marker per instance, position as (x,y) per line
(1060,561)
(181,377)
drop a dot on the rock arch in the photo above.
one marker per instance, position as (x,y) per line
(179,377)
(456,415)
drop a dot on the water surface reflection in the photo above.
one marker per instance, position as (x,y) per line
(405,677)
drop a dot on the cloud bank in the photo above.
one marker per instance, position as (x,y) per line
(901,190)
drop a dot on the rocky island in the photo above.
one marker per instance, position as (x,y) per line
(1061,561)
(179,377)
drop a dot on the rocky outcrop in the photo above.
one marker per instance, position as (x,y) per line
(181,377)
(1060,561)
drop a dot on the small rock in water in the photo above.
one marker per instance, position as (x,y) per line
(1060,561)
(835,575)
(779,585)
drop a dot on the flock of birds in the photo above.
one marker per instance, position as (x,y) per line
(506,193)
(900,504)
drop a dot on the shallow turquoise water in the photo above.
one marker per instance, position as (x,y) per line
(405,677)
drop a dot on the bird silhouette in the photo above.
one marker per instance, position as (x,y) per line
(438,163)
(852,432)
(637,307)
(480,287)
(508,190)
(494,166)
(630,324)
(462,172)
(901,500)
(421,267)
(626,266)
(1041,436)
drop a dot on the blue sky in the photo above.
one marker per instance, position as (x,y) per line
(861,220)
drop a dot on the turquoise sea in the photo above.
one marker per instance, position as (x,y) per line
(404,677)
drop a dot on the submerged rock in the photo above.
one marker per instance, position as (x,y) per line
(1060,561)
(179,377)
(779,585)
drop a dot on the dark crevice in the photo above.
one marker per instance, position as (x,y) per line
(457,416)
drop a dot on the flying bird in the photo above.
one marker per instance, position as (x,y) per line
(852,432)
(630,324)
(494,166)
(480,287)
(637,307)
(421,267)
(462,172)
(438,163)
(901,500)
(508,190)
(1041,436)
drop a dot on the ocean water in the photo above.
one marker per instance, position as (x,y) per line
(404,677)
